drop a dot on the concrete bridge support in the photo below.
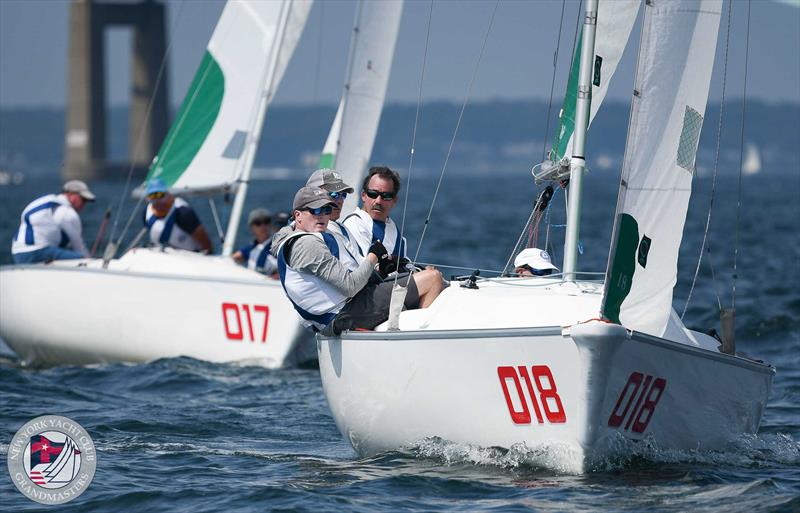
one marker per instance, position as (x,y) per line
(85,135)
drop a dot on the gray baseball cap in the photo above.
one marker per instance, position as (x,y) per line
(258,214)
(311,197)
(329,180)
(79,187)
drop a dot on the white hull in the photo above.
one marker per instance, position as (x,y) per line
(147,305)
(393,390)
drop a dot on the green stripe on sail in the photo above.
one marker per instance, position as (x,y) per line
(195,119)
(623,265)
(327,160)
(566,125)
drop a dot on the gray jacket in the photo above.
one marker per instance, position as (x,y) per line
(311,255)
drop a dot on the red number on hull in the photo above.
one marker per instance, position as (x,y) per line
(548,396)
(643,392)
(232,319)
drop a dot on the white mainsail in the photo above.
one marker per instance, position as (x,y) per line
(219,116)
(676,57)
(352,135)
(615,20)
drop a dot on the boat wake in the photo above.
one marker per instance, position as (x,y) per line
(748,451)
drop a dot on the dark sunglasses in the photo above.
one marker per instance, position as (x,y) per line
(156,195)
(261,222)
(337,195)
(320,211)
(537,272)
(373,194)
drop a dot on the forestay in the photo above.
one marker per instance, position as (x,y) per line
(676,57)
(205,146)
(615,21)
(352,135)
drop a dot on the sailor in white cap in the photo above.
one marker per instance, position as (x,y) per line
(533,262)
(50,228)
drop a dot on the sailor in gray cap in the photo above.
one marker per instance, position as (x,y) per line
(328,286)
(331,181)
(50,227)
(256,255)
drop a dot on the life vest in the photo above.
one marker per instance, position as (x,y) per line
(316,300)
(386,232)
(260,259)
(38,228)
(164,231)
(343,235)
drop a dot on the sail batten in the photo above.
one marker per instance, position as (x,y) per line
(676,58)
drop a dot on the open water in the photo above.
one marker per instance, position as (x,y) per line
(185,435)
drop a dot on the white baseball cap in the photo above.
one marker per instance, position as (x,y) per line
(534,258)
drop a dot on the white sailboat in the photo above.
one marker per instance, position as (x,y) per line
(152,302)
(566,365)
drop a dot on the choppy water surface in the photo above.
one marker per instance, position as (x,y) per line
(185,435)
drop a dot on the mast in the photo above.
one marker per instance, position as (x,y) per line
(578,161)
(255,134)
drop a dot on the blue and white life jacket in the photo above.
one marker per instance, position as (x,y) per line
(341,232)
(367,230)
(261,260)
(316,300)
(38,227)
(164,231)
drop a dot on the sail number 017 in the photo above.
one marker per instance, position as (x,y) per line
(547,395)
(240,327)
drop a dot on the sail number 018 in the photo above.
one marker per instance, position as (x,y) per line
(637,402)
(547,395)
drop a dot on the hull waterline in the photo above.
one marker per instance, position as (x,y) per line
(83,314)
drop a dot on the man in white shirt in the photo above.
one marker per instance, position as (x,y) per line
(50,227)
(331,181)
(371,222)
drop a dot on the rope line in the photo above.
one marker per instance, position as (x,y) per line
(414,132)
(741,159)
(148,112)
(553,81)
(706,242)
(455,132)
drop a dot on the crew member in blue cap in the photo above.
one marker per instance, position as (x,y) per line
(172,222)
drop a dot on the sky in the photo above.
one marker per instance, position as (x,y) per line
(518,63)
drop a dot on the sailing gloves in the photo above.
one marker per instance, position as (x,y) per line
(384,260)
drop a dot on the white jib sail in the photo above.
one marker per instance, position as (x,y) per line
(352,135)
(676,57)
(615,19)
(204,148)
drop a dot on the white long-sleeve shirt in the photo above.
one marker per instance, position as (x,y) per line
(49,221)
(366,230)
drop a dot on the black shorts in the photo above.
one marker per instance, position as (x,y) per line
(370,307)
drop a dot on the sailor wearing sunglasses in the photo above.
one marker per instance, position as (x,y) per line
(371,222)
(171,221)
(328,286)
(331,181)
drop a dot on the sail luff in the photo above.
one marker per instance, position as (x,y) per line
(578,160)
(246,163)
(673,77)
(353,131)
(615,22)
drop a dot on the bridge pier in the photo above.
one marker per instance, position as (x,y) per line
(85,152)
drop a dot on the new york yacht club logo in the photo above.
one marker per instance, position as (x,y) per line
(52,459)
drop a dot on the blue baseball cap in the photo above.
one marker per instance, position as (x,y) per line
(156,185)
